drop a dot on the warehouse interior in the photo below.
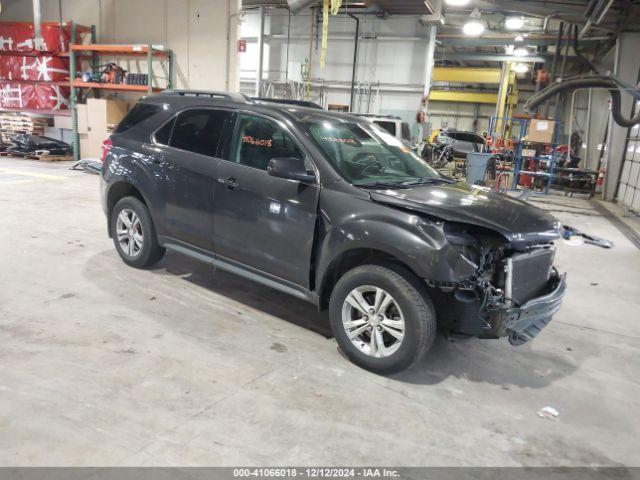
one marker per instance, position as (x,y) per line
(189,363)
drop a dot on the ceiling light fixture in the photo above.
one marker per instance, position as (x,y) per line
(521,52)
(474,27)
(457,3)
(514,23)
(520,68)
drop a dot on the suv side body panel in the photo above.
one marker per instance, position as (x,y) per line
(263,220)
(187,190)
(124,167)
(187,184)
(260,219)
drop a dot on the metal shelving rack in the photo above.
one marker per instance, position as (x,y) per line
(553,161)
(522,124)
(95,50)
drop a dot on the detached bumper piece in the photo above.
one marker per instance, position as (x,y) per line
(524,323)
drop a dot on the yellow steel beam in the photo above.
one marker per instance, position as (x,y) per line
(503,97)
(468,97)
(469,75)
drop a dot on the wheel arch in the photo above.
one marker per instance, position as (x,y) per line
(349,259)
(119,190)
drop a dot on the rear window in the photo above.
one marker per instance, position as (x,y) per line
(388,126)
(163,135)
(406,131)
(139,113)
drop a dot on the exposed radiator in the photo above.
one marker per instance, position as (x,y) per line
(527,275)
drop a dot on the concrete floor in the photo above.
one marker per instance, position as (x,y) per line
(101,364)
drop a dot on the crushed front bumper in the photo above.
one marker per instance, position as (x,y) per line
(524,323)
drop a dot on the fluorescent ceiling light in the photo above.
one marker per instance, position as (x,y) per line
(520,68)
(473,28)
(457,3)
(514,23)
(521,52)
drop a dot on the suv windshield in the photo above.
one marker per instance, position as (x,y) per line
(369,156)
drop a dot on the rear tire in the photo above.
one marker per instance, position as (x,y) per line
(399,325)
(134,234)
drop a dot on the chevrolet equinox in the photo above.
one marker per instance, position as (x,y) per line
(332,209)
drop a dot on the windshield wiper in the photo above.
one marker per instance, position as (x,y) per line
(430,181)
(382,185)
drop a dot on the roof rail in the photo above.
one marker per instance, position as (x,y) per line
(373,115)
(237,97)
(286,101)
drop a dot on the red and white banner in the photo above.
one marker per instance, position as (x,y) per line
(35,69)
(19,37)
(33,96)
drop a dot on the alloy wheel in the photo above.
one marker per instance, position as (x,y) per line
(373,321)
(129,233)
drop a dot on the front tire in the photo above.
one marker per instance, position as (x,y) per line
(134,234)
(382,319)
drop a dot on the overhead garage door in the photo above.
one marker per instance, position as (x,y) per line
(629,186)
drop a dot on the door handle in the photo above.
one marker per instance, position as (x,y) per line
(231,183)
(158,158)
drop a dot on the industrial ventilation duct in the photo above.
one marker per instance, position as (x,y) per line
(297,6)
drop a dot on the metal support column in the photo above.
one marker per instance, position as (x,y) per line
(587,138)
(263,14)
(73,96)
(170,80)
(149,69)
(428,74)
(286,72)
(554,67)
(37,25)
(503,95)
(355,64)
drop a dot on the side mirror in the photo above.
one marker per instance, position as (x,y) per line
(290,169)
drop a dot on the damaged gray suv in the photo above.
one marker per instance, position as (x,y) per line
(334,210)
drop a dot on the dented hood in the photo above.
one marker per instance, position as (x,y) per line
(516,220)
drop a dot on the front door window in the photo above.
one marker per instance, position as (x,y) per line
(259,140)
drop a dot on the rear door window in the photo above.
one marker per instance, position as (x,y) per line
(199,130)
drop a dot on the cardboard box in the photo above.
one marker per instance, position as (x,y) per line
(541,131)
(83,121)
(62,121)
(91,144)
(85,147)
(104,114)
